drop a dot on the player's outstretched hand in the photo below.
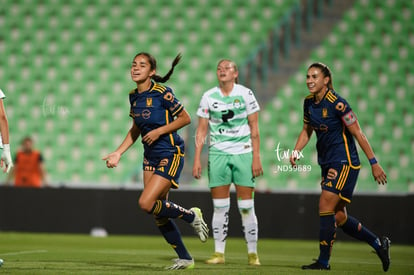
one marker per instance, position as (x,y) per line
(112,159)
(379,174)
(295,156)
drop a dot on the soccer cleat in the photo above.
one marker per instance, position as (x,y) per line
(217,258)
(253,259)
(384,253)
(181,264)
(316,266)
(1,262)
(200,227)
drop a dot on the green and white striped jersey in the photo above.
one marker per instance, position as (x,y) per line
(2,96)
(229,128)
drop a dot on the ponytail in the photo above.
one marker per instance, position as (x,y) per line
(165,78)
(153,65)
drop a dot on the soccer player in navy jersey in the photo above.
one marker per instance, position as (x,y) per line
(336,127)
(156,116)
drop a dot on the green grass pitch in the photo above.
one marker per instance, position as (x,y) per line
(27,253)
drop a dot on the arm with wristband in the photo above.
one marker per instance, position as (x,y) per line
(377,171)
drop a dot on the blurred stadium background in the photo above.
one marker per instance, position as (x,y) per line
(64,66)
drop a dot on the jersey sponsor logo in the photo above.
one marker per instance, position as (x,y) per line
(228,131)
(349,118)
(322,128)
(340,107)
(226,115)
(169,97)
(146,114)
(149,102)
(215,105)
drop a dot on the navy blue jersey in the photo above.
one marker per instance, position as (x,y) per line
(152,109)
(329,118)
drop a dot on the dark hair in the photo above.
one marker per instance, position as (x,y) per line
(325,71)
(27,138)
(153,66)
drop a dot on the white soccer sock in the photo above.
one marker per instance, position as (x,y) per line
(220,223)
(249,222)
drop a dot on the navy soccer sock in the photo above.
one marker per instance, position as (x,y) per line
(169,209)
(354,228)
(172,235)
(327,232)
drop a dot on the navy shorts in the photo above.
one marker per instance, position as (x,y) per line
(344,181)
(168,167)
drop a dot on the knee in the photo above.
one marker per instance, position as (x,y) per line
(245,206)
(146,205)
(340,218)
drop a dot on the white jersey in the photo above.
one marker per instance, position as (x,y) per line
(1,97)
(229,128)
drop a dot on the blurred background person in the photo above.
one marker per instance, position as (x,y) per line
(29,168)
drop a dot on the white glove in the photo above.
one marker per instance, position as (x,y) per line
(6,158)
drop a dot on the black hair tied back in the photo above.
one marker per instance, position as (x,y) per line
(165,78)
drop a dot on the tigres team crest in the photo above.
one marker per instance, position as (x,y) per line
(149,102)
(324,113)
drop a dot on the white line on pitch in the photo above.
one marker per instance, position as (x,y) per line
(24,252)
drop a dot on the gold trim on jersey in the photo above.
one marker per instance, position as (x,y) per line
(178,110)
(167,121)
(348,155)
(331,97)
(159,88)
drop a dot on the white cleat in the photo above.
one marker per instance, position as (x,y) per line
(181,264)
(200,227)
